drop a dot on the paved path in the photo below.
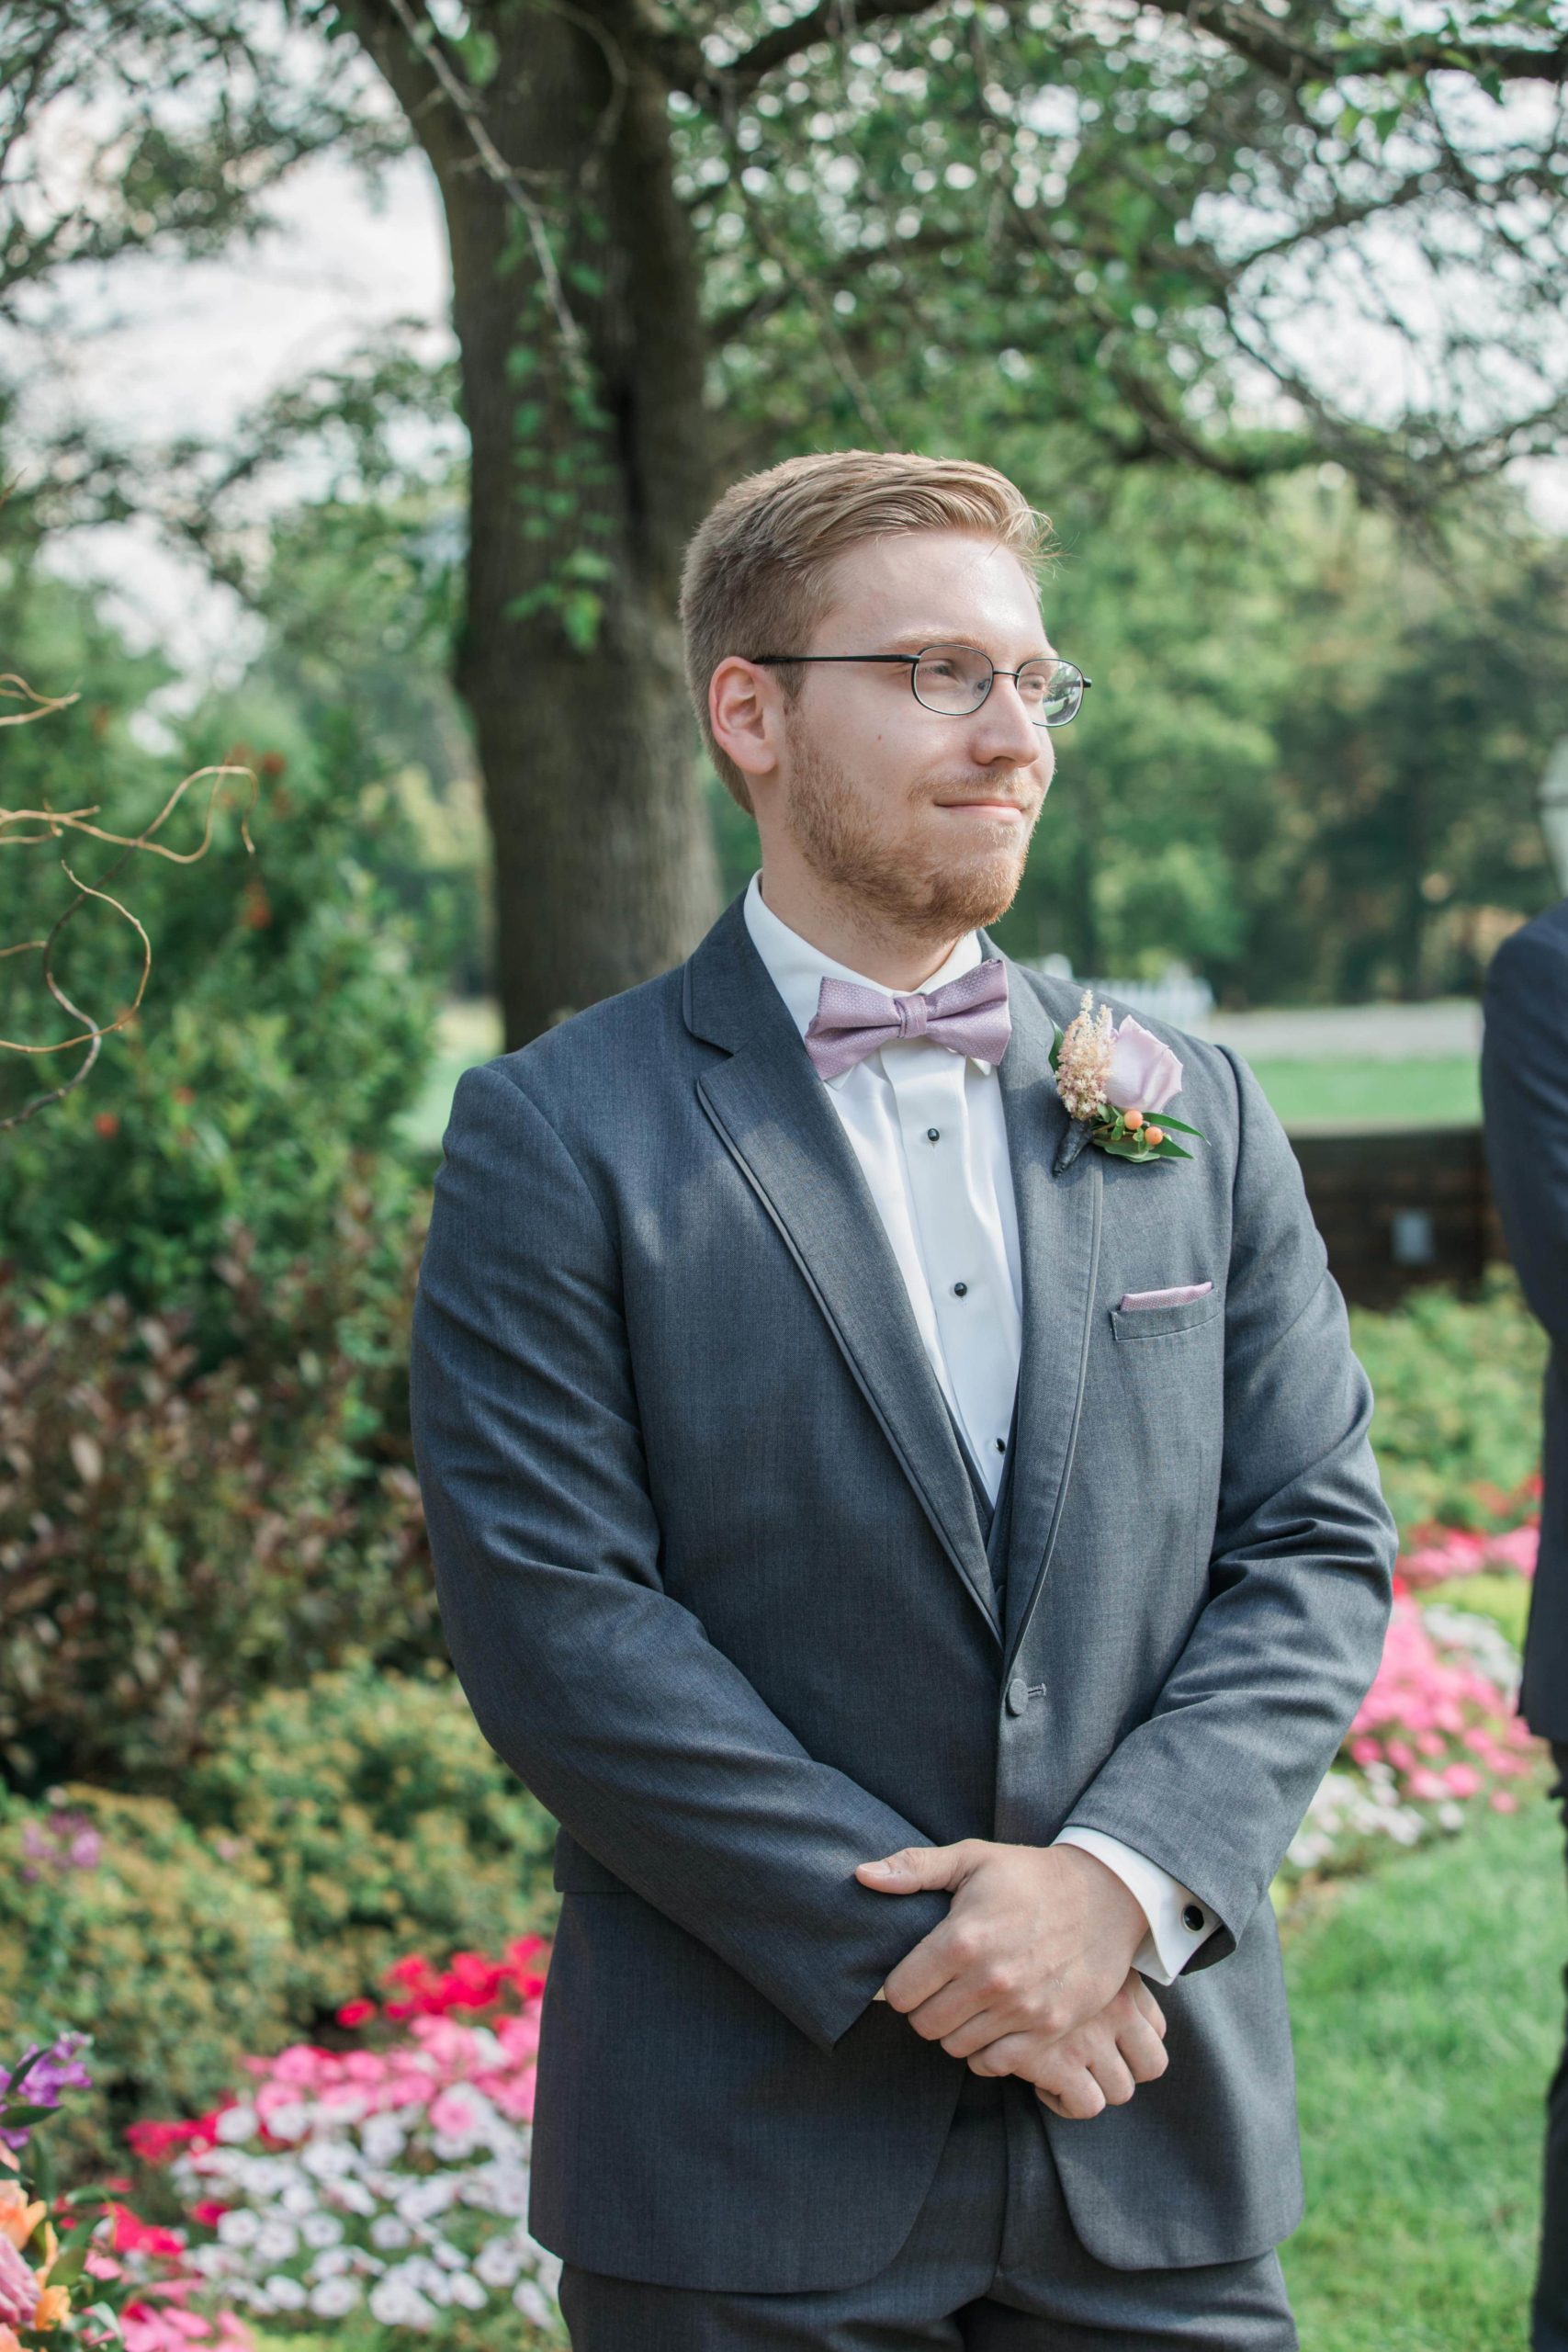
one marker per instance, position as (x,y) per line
(1393,1032)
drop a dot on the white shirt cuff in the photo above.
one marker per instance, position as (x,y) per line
(1169,1906)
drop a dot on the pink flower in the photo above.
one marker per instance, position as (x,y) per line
(18,2286)
(1463,1780)
(1504,1801)
(1143,1074)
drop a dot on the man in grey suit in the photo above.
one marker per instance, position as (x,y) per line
(1524,1085)
(925,1563)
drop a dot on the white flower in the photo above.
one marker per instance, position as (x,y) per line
(499,2261)
(354,2196)
(467,2291)
(396,2305)
(236,2123)
(535,2305)
(383,2138)
(321,2229)
(421,2201)
(286,2294)
(239,2227)
(500,2187)
(276,2240)
(328,2159)
(329,2263)
(388,2231)
(335,2296)
(289,2122)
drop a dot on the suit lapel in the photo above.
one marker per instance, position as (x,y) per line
(1057,1190)
(773,1114)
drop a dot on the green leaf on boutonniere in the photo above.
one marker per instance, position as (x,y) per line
(1164,1119)
(1125,1148)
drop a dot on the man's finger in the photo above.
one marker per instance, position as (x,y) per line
(1146,2002)
(1143,2052)
(1077,2098)
(913,1868)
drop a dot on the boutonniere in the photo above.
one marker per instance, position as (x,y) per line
(1117,1079)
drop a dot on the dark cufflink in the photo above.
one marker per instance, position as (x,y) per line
(1192,1918)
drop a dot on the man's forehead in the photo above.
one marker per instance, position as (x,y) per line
(949,632)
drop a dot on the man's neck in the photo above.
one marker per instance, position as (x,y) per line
(851,936)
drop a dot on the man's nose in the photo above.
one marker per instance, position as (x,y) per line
(1003,720)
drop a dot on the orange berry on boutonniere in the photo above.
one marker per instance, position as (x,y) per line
(1131,1121)
(1153,1138)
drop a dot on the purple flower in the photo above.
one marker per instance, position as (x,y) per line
(58,2069)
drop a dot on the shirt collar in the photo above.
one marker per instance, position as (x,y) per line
(797,968)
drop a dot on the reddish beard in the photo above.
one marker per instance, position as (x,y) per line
(860,859)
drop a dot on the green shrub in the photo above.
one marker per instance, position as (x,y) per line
(173,1538)
(117,1919)
(1457,1424)
(372,1808)
(286,1025)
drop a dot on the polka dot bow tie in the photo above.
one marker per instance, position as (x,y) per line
(968,1015)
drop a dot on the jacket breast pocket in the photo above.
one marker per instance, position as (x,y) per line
(1138,1324)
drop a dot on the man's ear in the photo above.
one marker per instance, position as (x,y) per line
(745,716)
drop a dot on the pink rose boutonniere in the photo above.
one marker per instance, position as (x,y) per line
(1118,1079)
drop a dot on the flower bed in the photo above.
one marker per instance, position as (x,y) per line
(1437,1732)
(387,2181)
(391,2178)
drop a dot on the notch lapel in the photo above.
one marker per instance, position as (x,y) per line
(1057,1189)
(772,1116)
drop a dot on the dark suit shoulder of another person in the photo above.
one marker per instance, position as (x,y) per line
(1524,1092)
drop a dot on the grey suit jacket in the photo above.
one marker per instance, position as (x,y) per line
(1524,1087)
(712,1571)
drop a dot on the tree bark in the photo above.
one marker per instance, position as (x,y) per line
(604,867)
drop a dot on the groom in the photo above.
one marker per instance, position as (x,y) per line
(925,1563)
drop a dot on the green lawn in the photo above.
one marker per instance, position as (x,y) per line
(1439,1092)
(1426,2005)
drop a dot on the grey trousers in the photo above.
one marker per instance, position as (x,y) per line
(1549,2311)
(992,2263)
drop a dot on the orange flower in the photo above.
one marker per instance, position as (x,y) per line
(18,2219)
(9,2340)
(52,2306)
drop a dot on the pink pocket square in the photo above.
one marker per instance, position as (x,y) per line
(1182,1296)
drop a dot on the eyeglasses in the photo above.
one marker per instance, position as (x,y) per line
(955,679)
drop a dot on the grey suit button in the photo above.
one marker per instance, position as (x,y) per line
(933,1135)
(960,1290)
(1018,1695)
(1192,1918)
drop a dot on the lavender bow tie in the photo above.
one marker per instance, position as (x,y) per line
(968,1015)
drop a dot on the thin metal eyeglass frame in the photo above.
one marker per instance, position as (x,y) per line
(914,660)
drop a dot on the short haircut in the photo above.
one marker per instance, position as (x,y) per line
(759,570)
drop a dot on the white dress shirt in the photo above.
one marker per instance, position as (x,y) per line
(928,1128)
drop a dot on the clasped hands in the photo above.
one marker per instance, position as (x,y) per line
(1031,1971)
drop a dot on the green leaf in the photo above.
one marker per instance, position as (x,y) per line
(1170,1151)
(67,2267)
(1164,1119)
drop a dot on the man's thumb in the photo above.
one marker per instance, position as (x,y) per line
(911,1869)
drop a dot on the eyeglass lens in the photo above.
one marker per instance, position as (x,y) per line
(957,678)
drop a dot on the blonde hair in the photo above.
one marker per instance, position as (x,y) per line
(758,575)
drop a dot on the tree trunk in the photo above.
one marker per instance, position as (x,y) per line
(604,865)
